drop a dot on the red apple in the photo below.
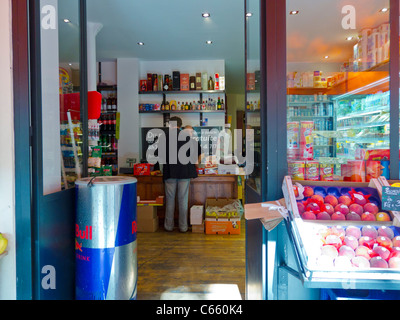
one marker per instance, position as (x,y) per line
(396,241)
(384,242)
(369,231)
(371,207)
(356,208)
(359,199)
(382,252)
(323,216)
(308,215)
(353,231)
(342,208)
(344,200)
(352,216)
(382,216)
(378,262)
(329,208)
(346,251)
(386,232)
(363,251)
(332,200)
(368,216)
(308,191)
(366,241)
(351,241)
(338,216)
(312,206)
(317,199)
(301,208)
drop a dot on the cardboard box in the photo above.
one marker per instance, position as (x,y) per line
(196,215)
(142,169)
(146,213)
(184,81)
(228,169)
(215,208)
(198,228)
(147,225)
(222,226)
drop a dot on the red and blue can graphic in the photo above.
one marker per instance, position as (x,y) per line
(105,239)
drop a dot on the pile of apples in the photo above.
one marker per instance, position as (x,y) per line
(366,247)
(355,207)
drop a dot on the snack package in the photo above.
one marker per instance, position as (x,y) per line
(296,170)
(293,140)
(354,170)
(312,170)
(306,140)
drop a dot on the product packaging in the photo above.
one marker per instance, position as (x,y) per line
(296,170)
(354,171)
(293,140)
(312,170)
(326,171)
(306,140)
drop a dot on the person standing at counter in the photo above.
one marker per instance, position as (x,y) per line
(177,174)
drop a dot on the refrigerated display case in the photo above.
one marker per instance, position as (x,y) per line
(324,263)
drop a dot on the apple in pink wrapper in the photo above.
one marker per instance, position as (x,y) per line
(329,250)
(329,208)
(378,262)
(382,252)
(360,262)
(384,242)
(312,207)
(353,231)
(342,208)
(346,200)
(371,207)
(346,251)
(369,231)
(352,216)
(366,241)
(323,216)
(351,241)
(332,200)
(396,241)
(363,251)
(338,216)
(394,262)
(385,232)
(359,199)
(333,240)
(368,216)
(308,191)
(308,215)
(301,207)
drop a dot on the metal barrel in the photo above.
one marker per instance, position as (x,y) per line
(105,239)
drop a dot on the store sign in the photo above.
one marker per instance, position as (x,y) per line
(49,17)
(349,20)
(391,198)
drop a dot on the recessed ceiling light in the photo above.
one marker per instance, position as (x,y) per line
(70,64)
(249,14)
(326,57)
(384,10)
(209,42)
(205,15)
(67,20)
(349,38)
(294,12)
(140,43)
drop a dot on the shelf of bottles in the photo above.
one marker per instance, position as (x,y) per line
(108,131)
(317,112)
(362,123)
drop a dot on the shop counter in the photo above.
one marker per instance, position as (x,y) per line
(201,188)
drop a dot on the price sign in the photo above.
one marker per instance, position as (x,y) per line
(391,198)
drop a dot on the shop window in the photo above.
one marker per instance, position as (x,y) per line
(338,98)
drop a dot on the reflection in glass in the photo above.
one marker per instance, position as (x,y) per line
(338,89)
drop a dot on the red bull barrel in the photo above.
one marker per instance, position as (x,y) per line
(105,239)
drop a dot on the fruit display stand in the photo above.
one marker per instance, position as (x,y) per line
(321,263)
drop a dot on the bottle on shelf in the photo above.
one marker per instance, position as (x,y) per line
(222,105)
(210,84)
(219,104)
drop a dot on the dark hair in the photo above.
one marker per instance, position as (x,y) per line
(177,120)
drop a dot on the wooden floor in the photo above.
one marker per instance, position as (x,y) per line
(174,265)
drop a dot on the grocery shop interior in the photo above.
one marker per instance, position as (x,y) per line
(307,91)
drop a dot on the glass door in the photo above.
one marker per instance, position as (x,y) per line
(58,143)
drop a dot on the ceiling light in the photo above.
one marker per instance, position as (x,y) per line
(384,10)
(349,38)
(249,14)
(67,20)
(294,12)
(70,64)
(326,57)
(205,15)
(140,43)
(208,41)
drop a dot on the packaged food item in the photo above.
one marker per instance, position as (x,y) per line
(373,170)
(312,170)
(385,166)
(306,140)
(326,172)
(296,170)
(293,140)
(377,154)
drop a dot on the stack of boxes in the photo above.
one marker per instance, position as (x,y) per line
(197,219)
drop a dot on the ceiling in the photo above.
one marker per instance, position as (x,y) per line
(175,30)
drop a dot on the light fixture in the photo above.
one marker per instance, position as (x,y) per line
(205,15)
(70,64)
(349,38)
(209,42)
(384,10)
(67,20)
(294,12)
(249,14)
(140,43)
(326,57)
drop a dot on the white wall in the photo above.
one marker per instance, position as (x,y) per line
(7,167)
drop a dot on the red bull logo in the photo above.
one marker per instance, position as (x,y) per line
(84,235)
